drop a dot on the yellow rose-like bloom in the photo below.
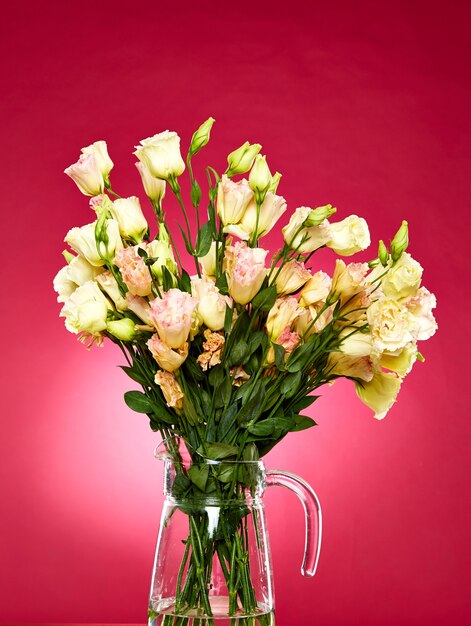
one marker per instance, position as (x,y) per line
(282,315)
(380,393)
(349,236)
(403,279)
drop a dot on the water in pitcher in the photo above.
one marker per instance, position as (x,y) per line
(162,614)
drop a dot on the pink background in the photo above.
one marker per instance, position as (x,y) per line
(361,104)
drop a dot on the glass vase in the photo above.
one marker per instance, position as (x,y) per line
(212,563)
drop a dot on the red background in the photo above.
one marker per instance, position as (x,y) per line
(361,104)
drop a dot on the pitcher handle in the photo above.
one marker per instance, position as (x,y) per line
(312,512)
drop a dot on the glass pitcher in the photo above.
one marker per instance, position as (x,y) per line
(212,563)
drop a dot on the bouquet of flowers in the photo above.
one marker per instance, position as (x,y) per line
(229,357)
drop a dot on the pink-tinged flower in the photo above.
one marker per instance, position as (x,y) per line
(339,364)
(134,271)
(172,316)
(154,187)
(316,289)
(232,200)
(171,389)
(288,339)
(422,320)
(87,175)
(348,280)
(212,349)
(99,150)
(168,359)
(380,392)
(246,271)
(313,320)
(140,307)
(292,276)
(281,316)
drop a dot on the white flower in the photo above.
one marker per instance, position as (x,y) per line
(349,236)
(109,285)
(390,325)
(154,187)
(128,213)
(211,303)
(281,316)
(232,199)
(208,261)
(271,210)
(401,363)
(86,309)
(355,344)
(402,279)
(380,393)
(63,285)
(291,277)
(161,155)
(82,240)
(305,239)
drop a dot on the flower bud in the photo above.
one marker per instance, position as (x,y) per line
(400,242)
(67,256)
(260,178)
(201,136)
(241,160)
(122,329)
(318,215)
(275,181)
(383,254)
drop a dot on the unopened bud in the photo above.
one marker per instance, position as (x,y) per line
(275,181)
(400,242)
(123,329)
(201,136)
(383,254)
(241,160)
(260,178)
(68,256)
(318,215)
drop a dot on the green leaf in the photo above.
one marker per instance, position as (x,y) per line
(195,194)
(134,374)
(216,375)
(167,279)
(188,245)
(226,424)
(203,240)
(181,486)
(300,357)
(302,422)
(253,407)
(217,450)
(256,339)
(223,392)
(238,353)
(228,318)
(185,282)
(221,284)
(139,402)
(279,357)
(290,384)
(265,299)
(199,475)
(303,403)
